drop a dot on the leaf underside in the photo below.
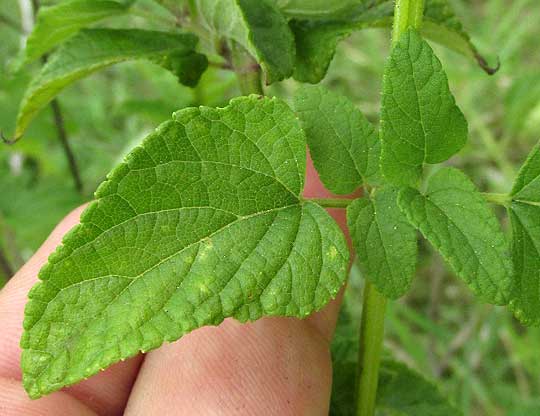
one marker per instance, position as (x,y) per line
(455,218)
(420,122)
(58,22)
(203,221)
(524,212)
(93,49)
(384,241)
(343,144)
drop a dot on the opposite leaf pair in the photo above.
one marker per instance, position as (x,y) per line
(420,124)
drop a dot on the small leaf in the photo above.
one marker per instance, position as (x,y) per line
(524,213)
(258,26)
(343,144)
(188,67)
(316,40)
(420,122)
(454,217)
(56,23)
(316,9)
(94,49)
(384,241)
(203,221)
(409,393)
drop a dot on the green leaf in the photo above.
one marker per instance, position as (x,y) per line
(384,241)
(441,25)
(455,218)
(316,9)
(420,122)
(258,26)
(343,144)
(94,49)
(408,392)
(316,40)
(525,303)
(524,213)
(527,184)
(203,221)
(56,23)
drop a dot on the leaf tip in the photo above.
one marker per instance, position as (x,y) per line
(12,140)
(482,62)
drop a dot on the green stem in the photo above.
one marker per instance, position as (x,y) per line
(369,357)
(407,13)
(248,72)
(331,202)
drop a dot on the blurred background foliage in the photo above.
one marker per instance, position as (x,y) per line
(484,360)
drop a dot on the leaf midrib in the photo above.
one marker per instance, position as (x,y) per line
(133,279)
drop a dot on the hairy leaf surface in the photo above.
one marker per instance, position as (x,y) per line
(94,49)
(524,213)
(420,122)
(56,23)
(316,40)
(384,240)
(455,218)
(258,26)
(343,144)
(203,221)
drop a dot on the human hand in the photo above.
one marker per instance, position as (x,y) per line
(274,366)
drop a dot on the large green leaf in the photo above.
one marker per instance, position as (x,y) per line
(56,23)
(455,218)
(343,144)
(384,241)
(524,213)
(203,221)
(258,26)
(420,122)
(94,49)
(316,39)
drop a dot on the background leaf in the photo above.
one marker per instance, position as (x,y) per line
(407,392)
(343,144)
(420,122)
(203,221)
(316,9)
(455,218)
(401,390)
(258,26)
(94,49)
(58,22)
(384,241)
(316,40)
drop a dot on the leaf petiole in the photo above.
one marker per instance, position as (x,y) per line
(331,202)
